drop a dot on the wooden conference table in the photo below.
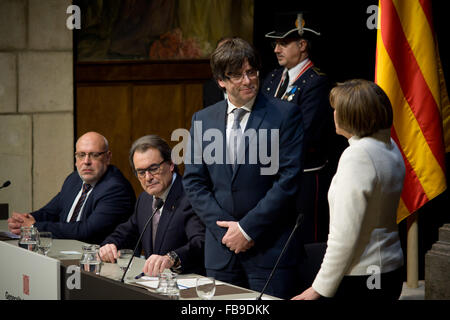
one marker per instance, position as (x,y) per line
(107,285)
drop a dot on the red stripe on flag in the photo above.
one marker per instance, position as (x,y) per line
(426,7)
(413,194)
(412,82)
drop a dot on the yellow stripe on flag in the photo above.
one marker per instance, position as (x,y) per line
(421,40)
(402,211)
(411,138)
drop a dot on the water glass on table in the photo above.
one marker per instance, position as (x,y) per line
(205,287)
(168,286)
(29,238)
(90,260)
(45,240)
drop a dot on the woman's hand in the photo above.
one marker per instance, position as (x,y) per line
(308,294)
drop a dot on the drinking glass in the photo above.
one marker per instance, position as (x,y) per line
(45,240)
(28,238)
(90,259)
(205,287)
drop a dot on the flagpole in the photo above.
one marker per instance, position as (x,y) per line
(412,251)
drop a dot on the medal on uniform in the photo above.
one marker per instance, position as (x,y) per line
(290,95)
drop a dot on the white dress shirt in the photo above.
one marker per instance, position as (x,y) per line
(243,123)
(75,202)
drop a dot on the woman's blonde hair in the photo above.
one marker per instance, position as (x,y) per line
(362,107)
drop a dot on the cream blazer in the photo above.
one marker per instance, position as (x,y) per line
(363,198)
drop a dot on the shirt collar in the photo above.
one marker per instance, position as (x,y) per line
(382,135)
(294,72)
(166,192)
(248,106)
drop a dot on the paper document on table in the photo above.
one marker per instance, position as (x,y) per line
(254,298)
(187,283)
(70,252)
(153,284)
(147,278)
(183,283)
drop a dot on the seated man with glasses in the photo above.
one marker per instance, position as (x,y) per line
(93,200)
(175,239)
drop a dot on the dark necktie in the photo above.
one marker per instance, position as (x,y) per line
(76,211)
(155,221)
(283,86)
(236,133)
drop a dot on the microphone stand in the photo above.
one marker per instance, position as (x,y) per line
(159,204)
(297,224)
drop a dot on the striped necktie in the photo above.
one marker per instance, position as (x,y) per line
(76,211)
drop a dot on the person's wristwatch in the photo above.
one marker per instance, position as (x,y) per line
(175,259)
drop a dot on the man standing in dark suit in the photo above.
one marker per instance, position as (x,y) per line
(92,202)
(245,201)
(176,237)
(300,82)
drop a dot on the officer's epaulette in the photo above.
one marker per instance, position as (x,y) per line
(318,72)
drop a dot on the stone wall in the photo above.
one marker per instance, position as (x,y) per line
(437,267)
(36,101)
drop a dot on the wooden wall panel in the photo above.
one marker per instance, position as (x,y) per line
(157,109)
(194,102)
(125,100)
(107,110)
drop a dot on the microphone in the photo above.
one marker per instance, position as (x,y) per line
(159,204)
(297,224)
(7,183)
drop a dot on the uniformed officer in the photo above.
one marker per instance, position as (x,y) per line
(300,82)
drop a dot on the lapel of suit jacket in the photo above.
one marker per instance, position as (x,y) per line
(219,121)
(272,85)
(254,122)
(72,193)
(167,213)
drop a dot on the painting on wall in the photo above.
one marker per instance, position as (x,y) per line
(159,29)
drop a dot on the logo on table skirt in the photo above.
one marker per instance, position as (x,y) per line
(26,284)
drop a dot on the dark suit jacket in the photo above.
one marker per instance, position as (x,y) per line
(179,230)
(110,203)
(263,204)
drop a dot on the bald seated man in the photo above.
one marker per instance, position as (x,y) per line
(93,200)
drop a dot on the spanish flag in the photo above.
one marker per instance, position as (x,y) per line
(408,69)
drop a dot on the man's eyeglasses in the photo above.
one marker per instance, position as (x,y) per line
(153,169)
(251,74)
(91,155)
